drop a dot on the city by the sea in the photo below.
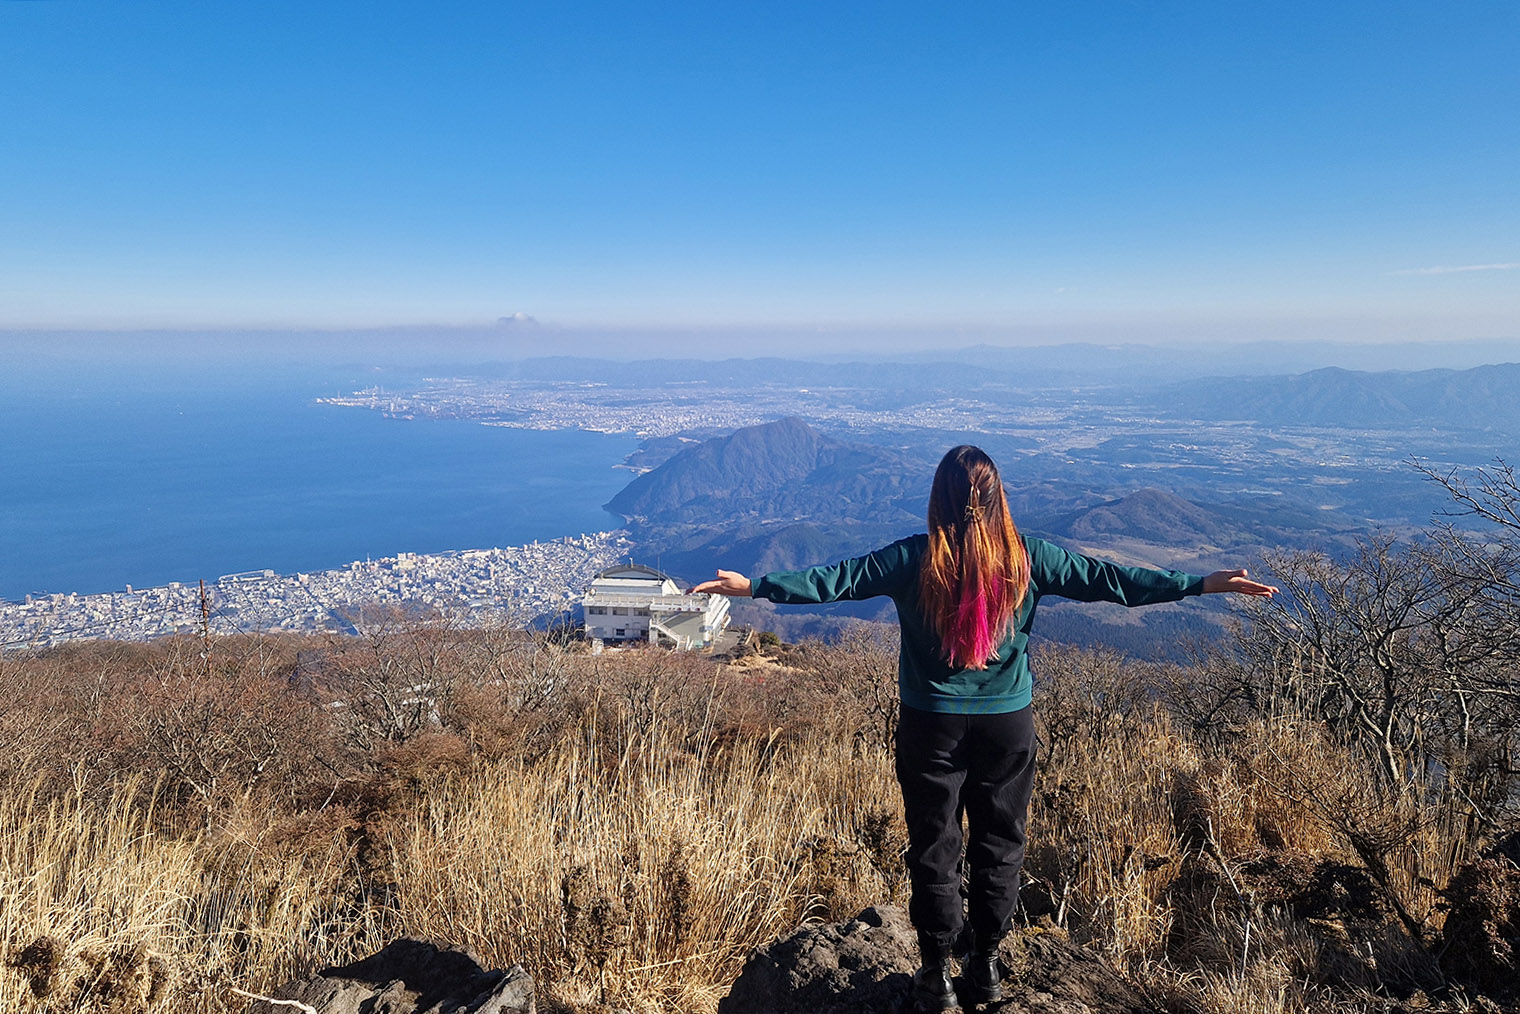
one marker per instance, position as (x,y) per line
(144,474)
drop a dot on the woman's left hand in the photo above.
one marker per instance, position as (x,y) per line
(729,582)
(1237,581)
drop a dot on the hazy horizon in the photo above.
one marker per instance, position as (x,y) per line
(470,346)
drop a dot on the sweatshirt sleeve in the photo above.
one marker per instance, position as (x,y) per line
(1055,571)
(882,572)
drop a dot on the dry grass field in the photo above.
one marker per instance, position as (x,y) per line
(187,822)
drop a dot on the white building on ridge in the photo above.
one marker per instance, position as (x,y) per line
(630,602)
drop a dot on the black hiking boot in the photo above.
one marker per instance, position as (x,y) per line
(932,989)
(984,979)
(983,973)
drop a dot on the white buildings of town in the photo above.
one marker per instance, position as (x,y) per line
(630,602)
(536,583)
(540,582)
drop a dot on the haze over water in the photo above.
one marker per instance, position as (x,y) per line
(148,475)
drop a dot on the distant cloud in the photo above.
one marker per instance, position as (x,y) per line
(1457,269)
(517,320)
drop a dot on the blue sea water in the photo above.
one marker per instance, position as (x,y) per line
(144,475)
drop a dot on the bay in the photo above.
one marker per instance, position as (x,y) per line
(144,474)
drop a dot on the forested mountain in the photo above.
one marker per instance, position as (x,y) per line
(779,471)
(774,496)
(1165,519)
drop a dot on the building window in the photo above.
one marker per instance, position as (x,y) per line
(621,632)
(619,612)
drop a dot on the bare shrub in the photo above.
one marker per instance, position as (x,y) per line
(1088,694)
(390,680)
(64,707)
(647,687)
(223,731)
(1394,671)
(1394,651)
(218,718)
(849,685)
(516,692)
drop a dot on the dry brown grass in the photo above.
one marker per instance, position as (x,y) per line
(629,827)
(637,863)
(632,871)
(1238,879)
(107,892)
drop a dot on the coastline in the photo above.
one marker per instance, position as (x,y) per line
(113,486)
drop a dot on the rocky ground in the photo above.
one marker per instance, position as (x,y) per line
(861,966)
(407,977)
(866,965)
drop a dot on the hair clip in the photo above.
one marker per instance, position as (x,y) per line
(973,512)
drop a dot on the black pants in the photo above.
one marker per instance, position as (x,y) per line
(982,765)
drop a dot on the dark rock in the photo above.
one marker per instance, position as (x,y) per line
(1506,848)
(1482,932)
(409,977)
(865,966)
(862,966)
(40,961)
(1052,975)
(1314,888)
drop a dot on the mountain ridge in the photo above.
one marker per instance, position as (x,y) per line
(1482,397)
(773,496)
(781,470)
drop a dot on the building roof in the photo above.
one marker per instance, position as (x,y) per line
(635,571)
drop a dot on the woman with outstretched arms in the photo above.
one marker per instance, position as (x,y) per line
(966,594)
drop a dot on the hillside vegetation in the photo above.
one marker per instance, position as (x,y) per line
(1320,815)
(772,496)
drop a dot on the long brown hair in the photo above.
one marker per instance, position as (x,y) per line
(975,574)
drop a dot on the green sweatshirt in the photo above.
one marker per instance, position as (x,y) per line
(926,681)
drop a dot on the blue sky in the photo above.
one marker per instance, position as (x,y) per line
(1032,170)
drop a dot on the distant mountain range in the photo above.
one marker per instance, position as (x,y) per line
(783,495)
(1485,397)
(1176,526)
(1021,366)
(1150,515)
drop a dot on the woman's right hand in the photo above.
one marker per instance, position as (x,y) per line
(1238,582)
(729,582)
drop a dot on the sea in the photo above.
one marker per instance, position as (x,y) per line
(141,474)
